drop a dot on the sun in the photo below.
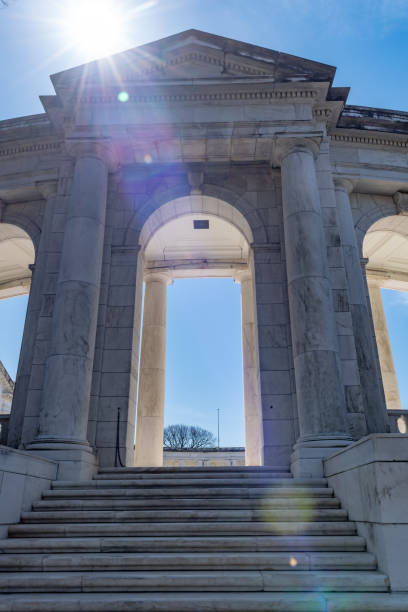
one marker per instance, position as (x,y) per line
(94,27)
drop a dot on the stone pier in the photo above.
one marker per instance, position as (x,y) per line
(320,393)
(68,372)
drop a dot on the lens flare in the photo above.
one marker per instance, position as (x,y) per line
(94,26)
(293,562)
(123,96)
(148,159)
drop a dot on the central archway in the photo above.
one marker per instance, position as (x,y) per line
(190,237)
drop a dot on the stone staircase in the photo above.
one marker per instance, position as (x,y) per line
(190,540)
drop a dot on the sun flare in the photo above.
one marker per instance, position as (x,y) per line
(95,27)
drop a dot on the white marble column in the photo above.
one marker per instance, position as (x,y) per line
(389,377)
(250,360)
(68,374)
(375,410)
(319,386)
(18,419)
(150,407)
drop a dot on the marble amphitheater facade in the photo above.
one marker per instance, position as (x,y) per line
(218,158)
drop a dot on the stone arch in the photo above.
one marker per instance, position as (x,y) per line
(25,223)
(369,218)
(164,195)
(187,205)
(17,251)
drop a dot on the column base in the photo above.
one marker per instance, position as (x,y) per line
(76,460)
(310,451)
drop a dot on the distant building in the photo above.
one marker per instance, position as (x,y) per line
(204,457)
(6,390)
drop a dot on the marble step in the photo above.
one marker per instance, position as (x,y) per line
(120,516)
(292,544)
(201,492)
(204,475)
(182,529)
(156,581)
(171,484)
(276,561)
(191,504)
(233,469)
(206,602)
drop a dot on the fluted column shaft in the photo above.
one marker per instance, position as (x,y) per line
(319,387)
(252,396)
(389,377)
(150,409)
(68,375)
(375,411)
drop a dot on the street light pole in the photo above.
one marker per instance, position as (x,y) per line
(218,420)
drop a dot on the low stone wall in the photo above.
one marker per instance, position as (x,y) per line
(205,457)
(370,477)
(23,478)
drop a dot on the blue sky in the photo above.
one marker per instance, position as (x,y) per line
(368,42)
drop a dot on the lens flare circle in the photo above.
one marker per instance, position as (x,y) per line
(123,96)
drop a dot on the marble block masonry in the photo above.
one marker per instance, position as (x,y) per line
(298,196)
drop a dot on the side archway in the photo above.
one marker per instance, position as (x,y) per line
(17,256)
(385,248)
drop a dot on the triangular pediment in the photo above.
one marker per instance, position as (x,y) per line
(194,55)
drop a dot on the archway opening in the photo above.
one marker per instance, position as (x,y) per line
(16,256)
(204,385)
(195,238)
(386,249)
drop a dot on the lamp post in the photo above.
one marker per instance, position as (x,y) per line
(218,427)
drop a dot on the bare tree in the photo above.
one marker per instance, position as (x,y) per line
(187,437)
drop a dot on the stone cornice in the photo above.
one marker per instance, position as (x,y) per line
(283,94)
(40,120)
(12,149)
(379,139)
(245,66)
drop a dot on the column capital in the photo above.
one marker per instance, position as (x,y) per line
(158,275)
(242,275)
(287,144)
(343,184)
(401,202)
(101,148)
(376,278)
(47,189)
